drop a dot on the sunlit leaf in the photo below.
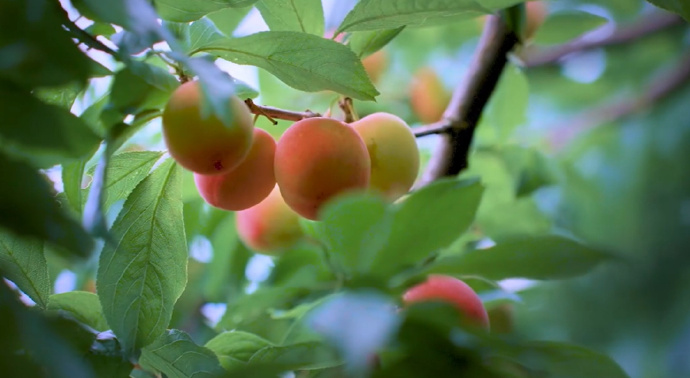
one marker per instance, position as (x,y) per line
(296,15)
(303,61)
(141,277)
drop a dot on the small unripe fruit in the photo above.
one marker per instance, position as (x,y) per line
(453,291)
(375,64)
(318,159)
(205,145)
(428,97)
(393,151)
(246,185)
(536,12)
(269,227)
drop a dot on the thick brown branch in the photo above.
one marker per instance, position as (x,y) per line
(644,27)
(271,112)
(660,88)
(432,128)
(468,101)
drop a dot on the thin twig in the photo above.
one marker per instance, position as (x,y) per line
(659,88)
(642,28)
(348,109)
(89,40)
(432,128)
(271,112)
(467,103)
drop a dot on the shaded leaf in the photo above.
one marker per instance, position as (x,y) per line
(177,356)
(22,262)
(303,61)
(83,305)
(34,127)
(355,228)
(429,219)
(542,258)
(28,207)
(236,348)
(141,277)
(36,50)
(567,360)
(676,6)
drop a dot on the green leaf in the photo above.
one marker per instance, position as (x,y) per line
(303,61)
(235,348)
(296,15)
(142,276)
(191,10)
(32,127)
(35,345)
(83,305)
(368,42)
(245,309)
(100,28)
(542,258)
(557,359)
(563,26)
(62,96)
(227,20)
(28,207)
(36,50)
(680,7)
(137,16)
(141,86)
(301,356)
(392,14)
(106,358)
(22,262)
(124,172)
(355,228)
(177,356)
(72,179)
(429,219)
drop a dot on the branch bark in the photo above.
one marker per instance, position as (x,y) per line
(660,88)
(642,28)
(468,101)
(271,112)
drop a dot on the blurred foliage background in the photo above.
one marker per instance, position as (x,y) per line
(580,145)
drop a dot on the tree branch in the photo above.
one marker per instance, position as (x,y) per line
(467,103)
(642,28)
(271,112)
(660,88)
(89,40)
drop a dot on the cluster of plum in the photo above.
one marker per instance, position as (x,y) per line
(241,168)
